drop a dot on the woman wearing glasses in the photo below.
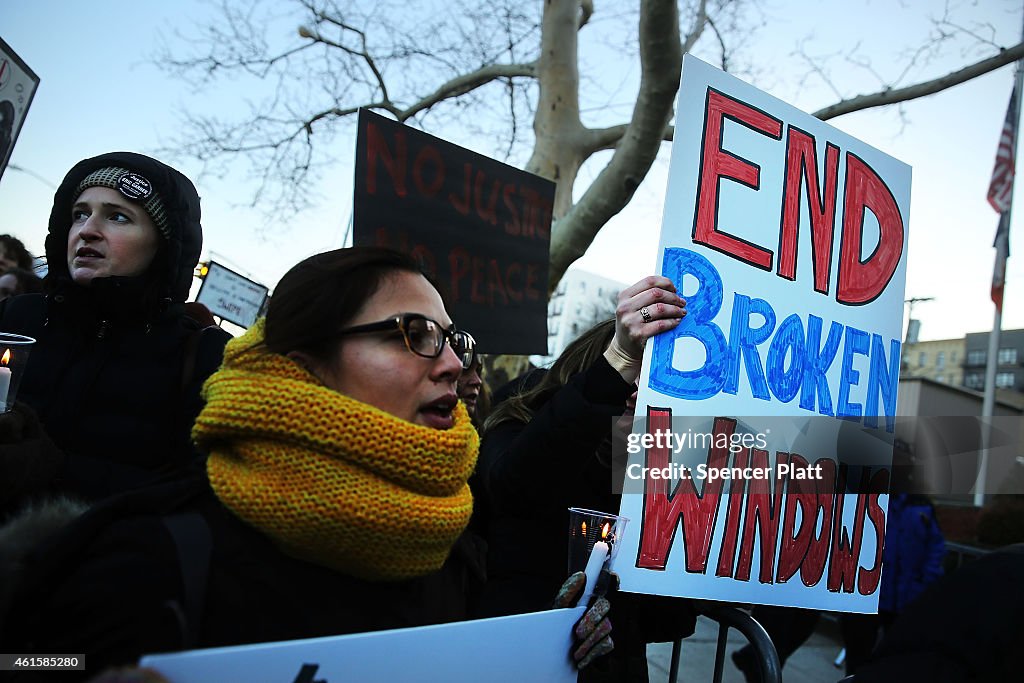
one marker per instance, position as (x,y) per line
(335,496)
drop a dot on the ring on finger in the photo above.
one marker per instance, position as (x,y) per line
(645,314)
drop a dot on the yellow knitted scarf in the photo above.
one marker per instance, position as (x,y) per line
(330,479)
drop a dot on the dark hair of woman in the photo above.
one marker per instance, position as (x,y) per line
(16,251)
(577,357)
(330,286)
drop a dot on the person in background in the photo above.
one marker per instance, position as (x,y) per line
(912,558)
(16,281)
(473,393)
(335,497)
(13,254)
(548,447)
(115,373)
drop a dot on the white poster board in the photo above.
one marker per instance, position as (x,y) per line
(18,85)
(788,239)
(516,649)
(231,296)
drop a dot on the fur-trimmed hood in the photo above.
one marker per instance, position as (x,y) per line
(24,532)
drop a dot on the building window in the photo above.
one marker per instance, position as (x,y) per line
(976,357)
(940,360)
(974,380)
(952,357)
(1004,380)
(940,378)
(1007,356)
(922,358)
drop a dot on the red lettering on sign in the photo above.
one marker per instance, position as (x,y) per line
(764,509)
(428,154)
(514,271)
(842,566)
(461,204)
(737,491)
(716,163)
(486,210)
(377,148)
(663,512)
(802,164)
(867,579)
(861,282)
(512,226)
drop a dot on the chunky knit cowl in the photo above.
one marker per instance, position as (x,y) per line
(332,480)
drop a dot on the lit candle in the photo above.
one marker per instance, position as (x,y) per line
(597,557)
(5,379)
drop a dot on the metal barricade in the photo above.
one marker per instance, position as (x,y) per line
(733,617)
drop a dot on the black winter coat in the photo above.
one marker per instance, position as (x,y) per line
(116,392)
(111,586)
(117,368)
(528,477)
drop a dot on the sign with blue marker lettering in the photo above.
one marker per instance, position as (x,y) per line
(759,464)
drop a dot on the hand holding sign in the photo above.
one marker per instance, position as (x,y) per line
(647,308)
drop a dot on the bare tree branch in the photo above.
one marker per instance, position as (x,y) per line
(661,60)
(931,87)
(586,10)
(465,83)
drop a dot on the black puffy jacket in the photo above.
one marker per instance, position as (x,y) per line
(117,368)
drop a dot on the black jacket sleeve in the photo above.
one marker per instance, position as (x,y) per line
(525,466)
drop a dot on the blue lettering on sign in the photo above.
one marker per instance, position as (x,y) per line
(796,360)
(817,363)
(701,309)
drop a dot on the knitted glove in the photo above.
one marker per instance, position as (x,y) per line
(592,634)
(28,458)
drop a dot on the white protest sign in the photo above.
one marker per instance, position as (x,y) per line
(515,649)
(788,240)
(231,296)
(18,85)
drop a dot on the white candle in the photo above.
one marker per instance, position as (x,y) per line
(597,557)
(5,385)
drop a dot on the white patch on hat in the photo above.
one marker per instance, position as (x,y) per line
(134,186)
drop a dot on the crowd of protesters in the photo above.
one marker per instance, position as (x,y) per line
(165,487)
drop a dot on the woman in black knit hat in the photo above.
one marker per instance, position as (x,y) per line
(115,374)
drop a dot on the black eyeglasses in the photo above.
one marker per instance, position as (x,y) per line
(423,336)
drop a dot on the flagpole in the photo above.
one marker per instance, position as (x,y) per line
(1002,252)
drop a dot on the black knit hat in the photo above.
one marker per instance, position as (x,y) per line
(167,196)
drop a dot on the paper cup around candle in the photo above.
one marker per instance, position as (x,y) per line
(14,350)
(587,527)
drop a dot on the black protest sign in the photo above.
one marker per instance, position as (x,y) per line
(480,227)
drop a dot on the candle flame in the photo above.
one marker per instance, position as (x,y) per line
(605,529)
(584,528)
(6,358)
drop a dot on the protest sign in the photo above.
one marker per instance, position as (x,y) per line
(523,647)
(231,296)
(759,463)
(18,85)
(480,227)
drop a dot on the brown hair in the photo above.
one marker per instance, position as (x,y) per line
(577,357)
(16,251)
(319,296)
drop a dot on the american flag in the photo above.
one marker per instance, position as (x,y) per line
(1001,187)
